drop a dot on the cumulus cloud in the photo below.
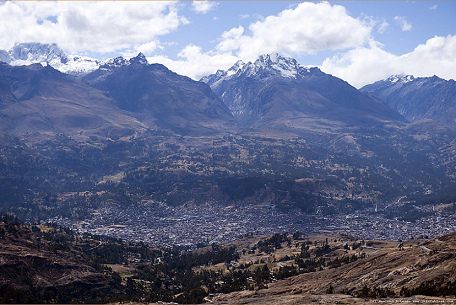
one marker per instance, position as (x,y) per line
(203,6)
(88,26)
(306,29)
(365,65)
(195,63)
(403,23)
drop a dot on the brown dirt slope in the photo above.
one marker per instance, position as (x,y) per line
(33,269)
(427,268)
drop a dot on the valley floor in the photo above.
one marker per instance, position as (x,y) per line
(163,225)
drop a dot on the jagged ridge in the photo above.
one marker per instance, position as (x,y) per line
(277,91)
(418,98)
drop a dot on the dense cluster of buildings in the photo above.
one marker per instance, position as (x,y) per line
(161,225)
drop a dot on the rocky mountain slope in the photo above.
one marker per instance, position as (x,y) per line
(418,98)
(122,98)
(39,102)
(161,96)
(277,92)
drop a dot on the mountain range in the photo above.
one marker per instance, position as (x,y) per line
(121,98)
(418,98)
(162,97)
(272,93)
(231,137)
(277,92)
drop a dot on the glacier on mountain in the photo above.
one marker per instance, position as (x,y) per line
(48,54)
(267,65)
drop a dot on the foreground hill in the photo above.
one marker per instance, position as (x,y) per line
(52,264)
(418,98)
(45,267)
(389,270)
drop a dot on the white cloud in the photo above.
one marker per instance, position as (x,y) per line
(194,63)
(306,29)
(404,24)
(147,48)
(434,7)
(88,26)
(365,65)
(203,6)
(382,27)
(230,39)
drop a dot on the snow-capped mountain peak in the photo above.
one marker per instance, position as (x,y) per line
(48,54)
(37,52)
(235,68)
(267,65)
(115,62)
(285,66)
(139,59)
(120,61)
(401,78)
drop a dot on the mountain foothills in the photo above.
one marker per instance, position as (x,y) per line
(271,132)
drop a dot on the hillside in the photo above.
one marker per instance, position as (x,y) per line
(42,265)
(157,95)
(57,265)
(39,103)
(389,270)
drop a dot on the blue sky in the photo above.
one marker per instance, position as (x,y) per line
(359,41)
(427,19)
